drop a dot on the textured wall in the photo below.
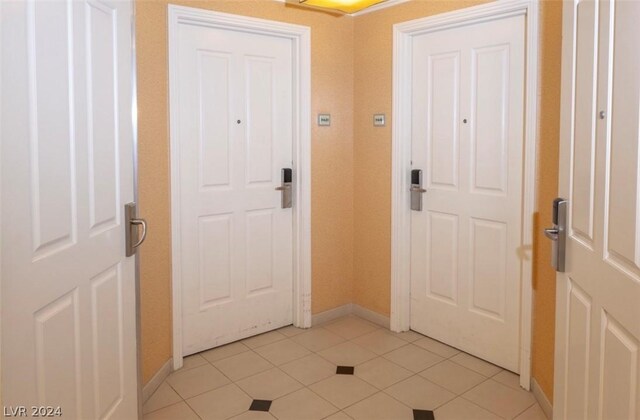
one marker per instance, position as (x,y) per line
(544,278)
(332,160)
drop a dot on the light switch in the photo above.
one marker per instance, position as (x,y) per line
(379,120)
(324,119)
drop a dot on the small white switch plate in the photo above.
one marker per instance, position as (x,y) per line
(379,120)
(324,119)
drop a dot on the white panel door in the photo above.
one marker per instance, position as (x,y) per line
(235,135)
(68,291)
(597,369)
(467,138)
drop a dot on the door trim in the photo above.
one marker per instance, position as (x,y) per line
(403,34)
(300,37)
(136,198)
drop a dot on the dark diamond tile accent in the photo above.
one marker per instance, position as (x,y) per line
(344,370)
(423,415)
(260,405)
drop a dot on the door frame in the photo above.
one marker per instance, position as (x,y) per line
(403,34)
(136,199)
(300,37)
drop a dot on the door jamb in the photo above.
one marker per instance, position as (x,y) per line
(136,199)
(300,37)
(401,157)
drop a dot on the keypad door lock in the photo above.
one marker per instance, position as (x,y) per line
(416,190)
(286,188)
(558,234)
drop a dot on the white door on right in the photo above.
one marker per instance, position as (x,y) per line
(467,138)
(598,296)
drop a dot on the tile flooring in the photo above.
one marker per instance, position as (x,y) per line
(345,369)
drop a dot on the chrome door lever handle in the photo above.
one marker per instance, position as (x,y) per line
(286,188)
(142,223)
(416,189)
(552,233)
(131,223)
(558,234)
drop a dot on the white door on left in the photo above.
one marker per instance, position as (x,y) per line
(234,135)
(68,291)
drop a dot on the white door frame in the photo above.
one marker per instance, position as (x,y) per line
(300,37)
(403,34)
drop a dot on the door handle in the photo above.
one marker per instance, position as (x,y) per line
(142,223)
(131,223)
(558,234)
(286,188)
(416,190)
(552,233)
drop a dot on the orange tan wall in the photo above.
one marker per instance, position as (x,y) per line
(372,164)
(332,160)
(544,277)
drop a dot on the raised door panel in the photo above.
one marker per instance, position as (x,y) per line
(443,136)
(215,244)
(619,372)
(58,355)
(102,119)
(577,341)
(442,257)
(489,125)
(260,85)
(488,268)
(215,156)
(622,207)
(108,341)
(260,251)
(584,130)
(52,118)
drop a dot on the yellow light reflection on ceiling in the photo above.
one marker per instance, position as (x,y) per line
(346,6)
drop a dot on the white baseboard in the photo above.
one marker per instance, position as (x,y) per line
(371,316)
(331,314)
(350,309)
(157,380)
(542,399)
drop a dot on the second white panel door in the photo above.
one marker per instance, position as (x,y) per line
(467,137)
(235,136)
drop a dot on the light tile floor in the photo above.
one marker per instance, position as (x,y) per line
(394,374)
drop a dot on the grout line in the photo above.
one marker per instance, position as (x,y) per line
(477,405)
(534,403)
(171,405)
